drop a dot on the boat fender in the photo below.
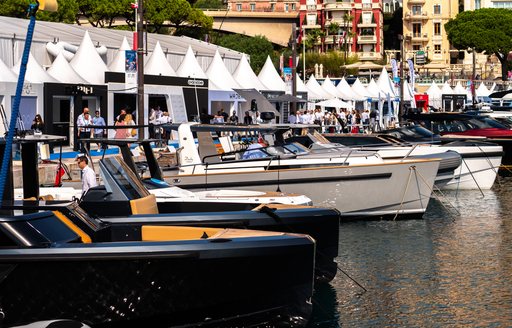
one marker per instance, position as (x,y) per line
(270,212)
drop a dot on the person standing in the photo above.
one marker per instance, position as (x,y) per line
(121,133)
(233,119)
(84,132)
(88,175)
(38,124)
(247,118)
(98,133)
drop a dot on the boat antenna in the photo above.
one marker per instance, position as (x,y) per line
(49,5)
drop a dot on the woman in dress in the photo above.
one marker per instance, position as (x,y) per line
(121,133)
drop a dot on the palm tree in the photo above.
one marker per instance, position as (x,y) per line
(334,29)
(347,24)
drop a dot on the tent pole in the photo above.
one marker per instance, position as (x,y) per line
(140,69)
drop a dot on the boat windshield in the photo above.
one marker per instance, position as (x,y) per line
(466,125)
(118,173)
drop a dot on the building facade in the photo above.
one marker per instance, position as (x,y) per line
(351,26)
(263,5)
(425,38)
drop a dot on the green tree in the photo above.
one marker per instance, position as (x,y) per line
(258,47)
(347,25)
(103,13)
(18,8)
(488,30)
(334,29)
(209,4)
(178,14)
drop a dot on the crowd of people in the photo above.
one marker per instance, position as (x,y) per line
(342,120)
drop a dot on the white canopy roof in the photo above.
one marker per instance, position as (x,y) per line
(491,90)
(482,91)
(118,64)
(301,87)
(62,71)
(346,91)
(34,73)
(270,78)
(315,91)
(329,88)
(220,76)
(459,89)
(157,63)
(359,90)
(385,84)
(246,77)
(334,102)
(435,95)
(88,63)
(373,90)
(446,89)
(409,93)
(6,75)
(189,67)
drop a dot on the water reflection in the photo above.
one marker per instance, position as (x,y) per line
(449,269)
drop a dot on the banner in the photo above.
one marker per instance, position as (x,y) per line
(394,68)
(130,69)
(411,72)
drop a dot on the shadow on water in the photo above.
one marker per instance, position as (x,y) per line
(325,308)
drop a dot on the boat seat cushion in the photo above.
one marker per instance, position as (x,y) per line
(145,205)
(166,233)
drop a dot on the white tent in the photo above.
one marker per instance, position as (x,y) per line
(315,91)
(385,84)
(6,75)
(459,89)
(482,91)
(34,73)
(491,90)
(434,95)
(373,90)
(334,102)
(189,67)
(346,91)
(62,71)
(359,90)
(446,89)
(219,74)
(118,64)
(157,63)
(270,78)
(246,77)
(329,88)
(301,87)
(88,63)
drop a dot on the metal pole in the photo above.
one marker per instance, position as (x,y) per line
(293,104)
(401,109)
(303,54)
(140,68)
(473,86)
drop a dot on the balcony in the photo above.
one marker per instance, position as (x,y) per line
(416,16)
(419,37)
(337,6)
(370,55)
(367,39)
(416,2)
(363,24)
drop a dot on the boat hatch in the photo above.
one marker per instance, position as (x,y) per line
(41,229)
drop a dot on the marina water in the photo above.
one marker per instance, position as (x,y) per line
(451,269)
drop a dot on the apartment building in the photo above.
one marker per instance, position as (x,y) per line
(263,5)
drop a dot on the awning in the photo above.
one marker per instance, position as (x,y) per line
(263,104)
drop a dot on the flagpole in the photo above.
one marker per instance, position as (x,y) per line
(140,69)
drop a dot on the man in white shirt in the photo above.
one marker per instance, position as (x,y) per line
(292,119)
(88,175)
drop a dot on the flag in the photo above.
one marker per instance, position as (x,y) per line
(411,71)
(59,175)
(281,63)
(299,37)
(134,5)
(394,67)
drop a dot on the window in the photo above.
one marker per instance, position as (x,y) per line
(416,10)
(437,49)
(253,6)
(437,28)
(386,8)
(416,30)
(477,4)
(416,47)
(286,7)
(238,7)
(437,9)
(294,7)
(272,7)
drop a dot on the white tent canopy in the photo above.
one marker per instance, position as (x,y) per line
(246,77)
(189,67)
(459,89)
(219,74)
(329,88)
(346,91)
(34,73)
(446,89)
(373,90)
(6,75)
(270,78)
(434,95)
(62,71)
(315,91)
(301,87)
(385,84)
(157,63)
(359,90)
(482,91)
(118,64)
(334,102)
(88,63)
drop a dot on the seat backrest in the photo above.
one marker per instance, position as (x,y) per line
(207,150)
(145,205)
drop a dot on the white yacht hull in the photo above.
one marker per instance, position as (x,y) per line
(364,190)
